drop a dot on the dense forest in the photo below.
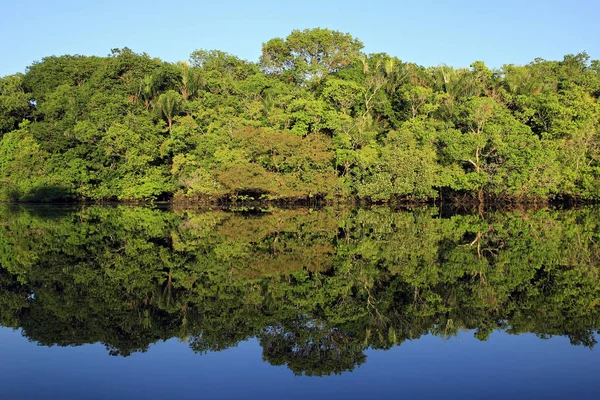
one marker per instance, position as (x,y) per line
(314,118)
(316,288)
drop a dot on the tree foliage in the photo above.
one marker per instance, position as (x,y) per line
(314,118)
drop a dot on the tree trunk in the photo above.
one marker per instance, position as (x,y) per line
(481,199)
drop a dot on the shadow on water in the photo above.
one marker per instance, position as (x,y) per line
(316,288)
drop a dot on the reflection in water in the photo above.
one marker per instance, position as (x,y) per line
(316,288)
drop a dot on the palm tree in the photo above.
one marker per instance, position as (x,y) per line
(169,105)
(191,80)
(148,90)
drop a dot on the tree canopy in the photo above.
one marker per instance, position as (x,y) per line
(314,118)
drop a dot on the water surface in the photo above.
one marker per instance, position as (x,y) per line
(134,302)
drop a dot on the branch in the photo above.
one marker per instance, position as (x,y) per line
(472,162)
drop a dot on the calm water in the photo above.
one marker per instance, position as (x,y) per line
(131,302)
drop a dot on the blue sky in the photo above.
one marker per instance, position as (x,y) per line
(426,32)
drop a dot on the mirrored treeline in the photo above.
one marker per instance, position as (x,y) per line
(316,288)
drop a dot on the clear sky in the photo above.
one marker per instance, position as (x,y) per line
(427,32)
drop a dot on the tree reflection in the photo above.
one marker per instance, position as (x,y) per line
(316,288)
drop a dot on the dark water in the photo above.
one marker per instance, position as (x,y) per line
(131,302)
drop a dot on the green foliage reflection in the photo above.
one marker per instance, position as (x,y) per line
(316,287)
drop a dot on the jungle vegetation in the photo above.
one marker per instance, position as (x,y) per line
(314,118)
(316,288)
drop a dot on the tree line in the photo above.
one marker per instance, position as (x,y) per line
(315,288)
(314,118)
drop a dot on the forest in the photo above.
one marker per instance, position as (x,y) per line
(315,288)
(315,118)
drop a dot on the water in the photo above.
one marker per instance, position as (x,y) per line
(133,302)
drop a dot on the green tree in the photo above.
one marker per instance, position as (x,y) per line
(169,104)
(310,54)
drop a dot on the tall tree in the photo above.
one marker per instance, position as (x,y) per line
(310,54)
